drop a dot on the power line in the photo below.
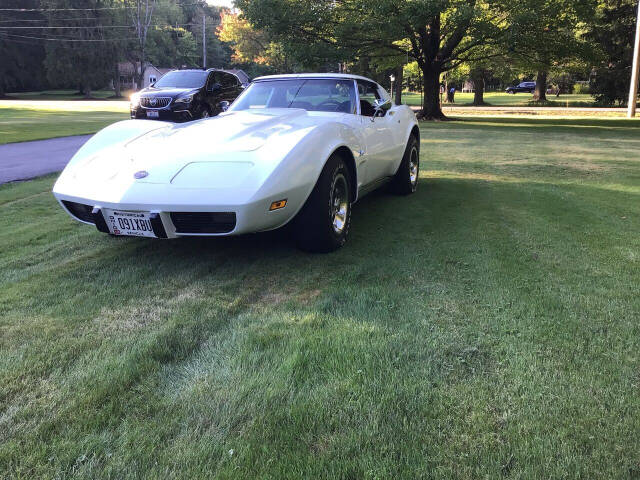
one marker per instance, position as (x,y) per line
(95,26)
(11,35)
(82,9)
(17,20)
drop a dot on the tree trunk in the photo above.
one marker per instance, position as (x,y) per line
(477,77)
(431,104)
(143,67)
(116,81)
(540,94)
(398,93)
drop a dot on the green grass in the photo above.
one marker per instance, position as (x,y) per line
(65,95)
(28,120)
(501,99)
(485,327)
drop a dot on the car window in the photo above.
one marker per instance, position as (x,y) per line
(182,79)
(211,80)
(369,95)
(228,80)
(320,95)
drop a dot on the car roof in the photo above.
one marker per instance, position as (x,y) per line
(347,76)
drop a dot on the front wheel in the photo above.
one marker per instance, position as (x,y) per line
(405,181)
(205,113)
(323,223)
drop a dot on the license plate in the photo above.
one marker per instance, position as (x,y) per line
(134,224)
(153,114)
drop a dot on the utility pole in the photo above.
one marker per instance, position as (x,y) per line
(633,90)
(204,42)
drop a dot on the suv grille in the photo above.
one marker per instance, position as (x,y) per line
(203,222)
(155,102)
(79,210)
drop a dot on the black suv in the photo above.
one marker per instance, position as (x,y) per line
(183,95)
(528,87)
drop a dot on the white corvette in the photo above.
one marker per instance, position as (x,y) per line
(298,148)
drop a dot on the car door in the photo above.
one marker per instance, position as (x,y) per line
(379,143)
(210,93)
(230,86)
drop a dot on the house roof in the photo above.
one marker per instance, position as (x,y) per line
(126,68)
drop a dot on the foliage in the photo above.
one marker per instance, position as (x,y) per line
(20,59)
(438,35)
(87,60)
(546,34)
(613,30)
(172,47)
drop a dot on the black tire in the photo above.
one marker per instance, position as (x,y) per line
(405,181)
(324,221)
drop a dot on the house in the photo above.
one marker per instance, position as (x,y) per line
(129,75)
(468,86)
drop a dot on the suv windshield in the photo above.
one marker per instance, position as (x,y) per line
(320,95)
(183,79)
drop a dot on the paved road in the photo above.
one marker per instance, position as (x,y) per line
(21,161)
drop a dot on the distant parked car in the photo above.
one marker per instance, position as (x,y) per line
(183,95)
(528,87)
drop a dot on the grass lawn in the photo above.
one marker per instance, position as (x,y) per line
(501,99)
(65,95)
(486,327)
(35,120)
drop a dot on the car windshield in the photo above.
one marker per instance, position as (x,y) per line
(319,95)
(182,80)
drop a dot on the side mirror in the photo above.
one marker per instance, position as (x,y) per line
(379,107)
(224,105)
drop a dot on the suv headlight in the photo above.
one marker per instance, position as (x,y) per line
(135,99)
(185,99)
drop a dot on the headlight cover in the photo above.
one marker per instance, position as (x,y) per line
(135,99)
(185,99)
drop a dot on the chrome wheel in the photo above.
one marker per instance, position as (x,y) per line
(339,203)
(413,166)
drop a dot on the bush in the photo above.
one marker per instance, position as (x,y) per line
(581,87)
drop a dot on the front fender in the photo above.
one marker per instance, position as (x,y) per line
(300,169)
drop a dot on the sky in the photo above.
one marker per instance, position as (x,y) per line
(223,3)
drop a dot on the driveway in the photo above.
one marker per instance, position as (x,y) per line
(25,160)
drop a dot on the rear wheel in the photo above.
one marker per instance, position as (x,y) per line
(323,223)
(405,180)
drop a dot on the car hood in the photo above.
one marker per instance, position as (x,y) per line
(167,92)
(246,137)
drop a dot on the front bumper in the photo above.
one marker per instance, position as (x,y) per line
(173,113)
(173,220)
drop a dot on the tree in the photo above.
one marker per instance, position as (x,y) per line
(439,34)
(613,30)
(141,17)
(80,52)
(251,44)
(545,34)
(20,59)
